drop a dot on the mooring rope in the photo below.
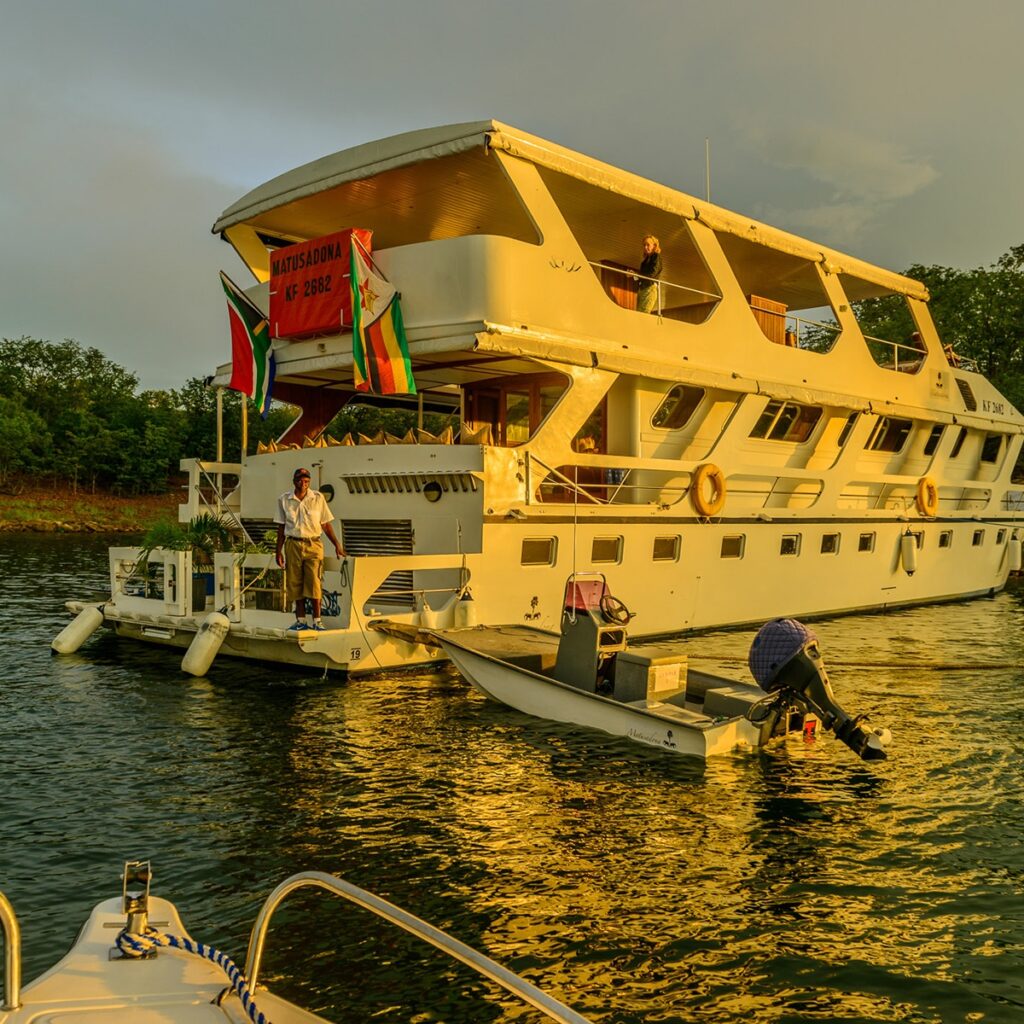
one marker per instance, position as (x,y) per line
(925,666)
(135,944)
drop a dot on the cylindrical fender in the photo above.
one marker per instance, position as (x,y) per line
(707,490)
(78,630)
(205,645)
(908,553)
(927,496)
(1014,554)
(465,611)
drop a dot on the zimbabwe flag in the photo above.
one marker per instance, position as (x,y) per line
(380,353)
(252,362)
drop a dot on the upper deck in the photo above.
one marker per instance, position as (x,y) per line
(514,255)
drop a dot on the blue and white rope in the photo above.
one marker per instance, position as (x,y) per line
(134,944)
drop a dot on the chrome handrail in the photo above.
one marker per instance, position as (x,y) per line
(395,915)
(12,955)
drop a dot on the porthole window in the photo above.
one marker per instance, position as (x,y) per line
(830,544)
(946,539)
(866,542)
(959,443)
(790,544)
(606,549)
(1000,536)
(933,439)
(786,421)
(732,547)
(991,448)
(677,407)
(666,549)
(979,537)
(538,551)
(889,435)
(847,427)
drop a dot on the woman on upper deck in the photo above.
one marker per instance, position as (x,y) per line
(650,272)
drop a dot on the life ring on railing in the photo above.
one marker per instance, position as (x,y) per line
(707,477)
(927,496)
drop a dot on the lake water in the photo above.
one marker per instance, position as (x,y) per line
(799,884)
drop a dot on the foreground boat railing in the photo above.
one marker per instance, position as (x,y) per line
(459,951)
(12,955)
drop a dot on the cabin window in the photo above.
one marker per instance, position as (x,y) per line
(606,549)
(847,427)
(538,551)
(666,549)
(830,544)
(866,542)
(790,544)
(508,413)
(959,443)
(889,435)
(979,537)
(933,439)
(991,447)
(1000,537)
(918,536)
(677,407)
(946,539)
(732,547)
(786,421)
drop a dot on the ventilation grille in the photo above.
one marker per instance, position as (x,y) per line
(396,591)
(407,483)
(377,536)
(967,394)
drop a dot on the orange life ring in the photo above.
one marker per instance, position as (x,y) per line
(927,496)
(705,476)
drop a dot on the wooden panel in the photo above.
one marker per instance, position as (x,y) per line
(620,283)
(770,316)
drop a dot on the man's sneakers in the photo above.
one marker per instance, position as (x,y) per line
(302,627)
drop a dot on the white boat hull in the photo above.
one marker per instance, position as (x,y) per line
(659,725)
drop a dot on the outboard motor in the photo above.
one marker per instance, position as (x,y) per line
(785,660)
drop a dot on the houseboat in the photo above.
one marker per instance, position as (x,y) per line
(742,450)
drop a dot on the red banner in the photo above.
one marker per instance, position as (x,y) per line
(310,291)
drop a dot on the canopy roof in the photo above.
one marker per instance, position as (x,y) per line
(452,166)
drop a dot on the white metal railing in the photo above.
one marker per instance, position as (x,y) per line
(457,950)
(665,288)
(913,357)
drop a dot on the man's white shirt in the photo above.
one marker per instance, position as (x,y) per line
(304,518)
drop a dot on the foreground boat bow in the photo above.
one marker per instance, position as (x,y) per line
(121,968)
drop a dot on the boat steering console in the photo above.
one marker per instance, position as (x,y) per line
(785,661)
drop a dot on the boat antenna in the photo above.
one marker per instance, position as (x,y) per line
(707,168)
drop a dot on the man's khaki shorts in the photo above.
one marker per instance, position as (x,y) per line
(303,568)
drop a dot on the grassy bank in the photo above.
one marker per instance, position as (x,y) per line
(42,510)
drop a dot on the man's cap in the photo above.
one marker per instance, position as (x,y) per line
(300,472)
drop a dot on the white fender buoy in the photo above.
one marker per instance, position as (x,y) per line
(908,553)
(1014,554)
(78,630)
(465,611)
(429,619)
(205,645)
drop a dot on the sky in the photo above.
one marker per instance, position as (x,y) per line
(889,130)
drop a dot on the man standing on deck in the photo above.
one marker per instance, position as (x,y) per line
(302,515)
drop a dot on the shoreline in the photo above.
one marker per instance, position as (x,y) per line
(47,510)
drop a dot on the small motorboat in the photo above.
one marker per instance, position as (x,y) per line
(592,678)
(133,961)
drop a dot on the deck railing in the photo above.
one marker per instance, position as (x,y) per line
(670,296)
(457,950)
